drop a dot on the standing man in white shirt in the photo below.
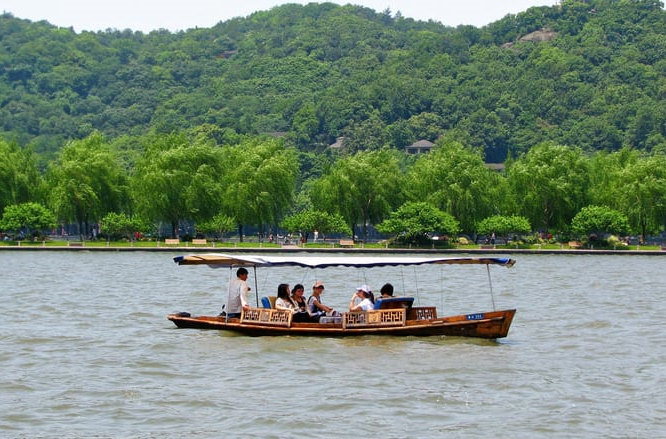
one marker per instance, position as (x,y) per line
(238,290)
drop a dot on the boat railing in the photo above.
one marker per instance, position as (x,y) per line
(266,316)
(422,313)
(374,318)
(352,319)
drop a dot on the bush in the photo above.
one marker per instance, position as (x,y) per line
(599,220)
(120,226)
(27,218)
(415,222)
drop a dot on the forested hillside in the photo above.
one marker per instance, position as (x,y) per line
(593,76)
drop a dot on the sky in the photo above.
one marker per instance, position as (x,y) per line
(175,15)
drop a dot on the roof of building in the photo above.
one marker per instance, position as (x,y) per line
(422,144)
(339,143)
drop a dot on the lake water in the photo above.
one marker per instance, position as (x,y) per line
(86,351)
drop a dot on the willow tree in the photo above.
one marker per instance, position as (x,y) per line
(633,184)
(20,181)
(87,182)
(259,182)
(177,180)
(455,179)
(551,183)
(363,188)
(606,187)
(641,194)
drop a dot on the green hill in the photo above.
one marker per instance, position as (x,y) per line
(583,73)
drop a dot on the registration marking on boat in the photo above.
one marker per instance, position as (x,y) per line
(477,316)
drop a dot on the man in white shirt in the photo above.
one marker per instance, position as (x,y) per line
(238,290)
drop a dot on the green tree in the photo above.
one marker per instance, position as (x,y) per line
(641,194)
(120,225)
(368,134)
(310,220)
(595,134)
(415,222)
(455,179)
(28,218)
(504,226)
(259,183)
(20,180)
(176,180)
(551,181)
(605,171)
(216,226)
(361,188)
(87,182)
(599,220)
(305,125)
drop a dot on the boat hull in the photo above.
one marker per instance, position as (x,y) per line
(489,325)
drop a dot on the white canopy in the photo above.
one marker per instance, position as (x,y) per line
(225,260)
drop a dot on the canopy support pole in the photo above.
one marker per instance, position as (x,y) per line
(490,282)
(256,287)
(226,314)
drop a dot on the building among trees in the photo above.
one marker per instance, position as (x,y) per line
(420,147)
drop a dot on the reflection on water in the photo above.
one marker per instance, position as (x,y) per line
(86,350)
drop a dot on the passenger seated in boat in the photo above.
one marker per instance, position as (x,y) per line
(388,301)
(283,300)
(367,302)
(386,291)
(301,313)
(315,307)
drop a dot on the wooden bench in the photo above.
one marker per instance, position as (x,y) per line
(487,247)
(199,242)
(346,243)
(75,244)
(171,241)
(574,244)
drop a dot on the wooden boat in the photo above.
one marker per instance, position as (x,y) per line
(395,316)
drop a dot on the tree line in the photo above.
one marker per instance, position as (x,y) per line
(260,181)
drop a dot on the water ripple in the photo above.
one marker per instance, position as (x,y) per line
(86,352)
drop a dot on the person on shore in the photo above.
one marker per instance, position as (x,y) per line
(315,307)
(367,302)
(238,290)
